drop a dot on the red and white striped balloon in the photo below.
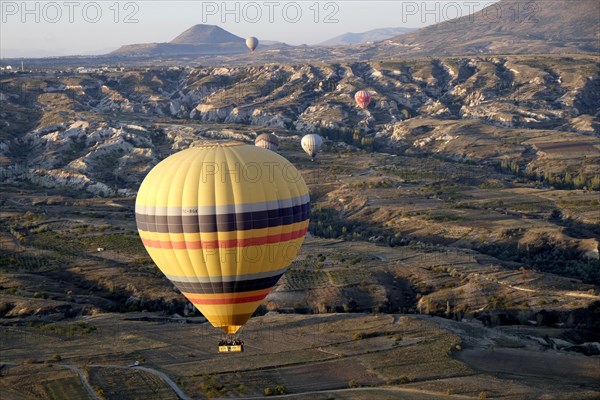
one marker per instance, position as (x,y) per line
(362,98)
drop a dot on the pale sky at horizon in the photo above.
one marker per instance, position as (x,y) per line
(73,27)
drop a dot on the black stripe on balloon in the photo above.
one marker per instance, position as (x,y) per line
(222,222)
(227,287)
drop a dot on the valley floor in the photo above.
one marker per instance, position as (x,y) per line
(345,356)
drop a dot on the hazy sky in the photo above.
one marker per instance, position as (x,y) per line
(64,27)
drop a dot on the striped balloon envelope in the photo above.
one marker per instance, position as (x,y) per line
(267,141)
(362,98)
(223,222)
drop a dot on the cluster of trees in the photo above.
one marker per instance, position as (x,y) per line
(510,166)
(328,223)
(568,181)
(70,330)
(325,222)
(352,137)
(547,257)
(278,390)
(565,180)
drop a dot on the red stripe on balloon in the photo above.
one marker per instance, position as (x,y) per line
(224,244)
(238,300)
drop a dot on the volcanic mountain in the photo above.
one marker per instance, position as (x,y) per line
(198,40)
(200,33)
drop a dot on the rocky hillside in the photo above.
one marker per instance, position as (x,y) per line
(469,187)
(535,115)
(506,27)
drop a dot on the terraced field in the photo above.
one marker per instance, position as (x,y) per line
(128,384)
(471,207)
(351,355)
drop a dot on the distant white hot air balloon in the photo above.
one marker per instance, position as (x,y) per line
(252,43)
(311,144)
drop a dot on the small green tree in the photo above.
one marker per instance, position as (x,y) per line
(280,389)
(556,214)
(427,307)
(568,179)
(595,183)
(99,392)
(579,181)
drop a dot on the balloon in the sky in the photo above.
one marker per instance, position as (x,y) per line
(311,144)
(223,222)
(267,141)
(362,98)
(252,43)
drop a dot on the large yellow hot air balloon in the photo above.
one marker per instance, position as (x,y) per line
(223,222)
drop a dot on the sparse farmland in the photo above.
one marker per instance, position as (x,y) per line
(441,220)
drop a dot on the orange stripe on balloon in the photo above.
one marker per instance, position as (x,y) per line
(224,244)
(229,300)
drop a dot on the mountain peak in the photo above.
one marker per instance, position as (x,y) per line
(203,33)
(373,35)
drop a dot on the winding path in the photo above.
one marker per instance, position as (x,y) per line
(168,381)
(90,389)
(152,371)
(83,378)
